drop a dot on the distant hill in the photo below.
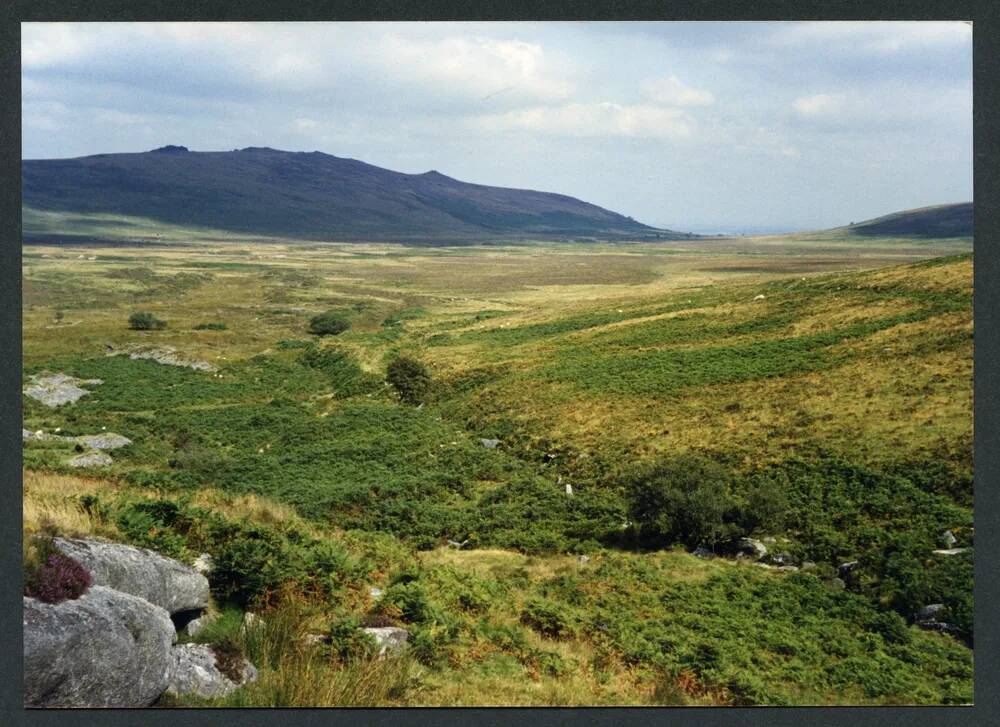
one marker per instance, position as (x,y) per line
(312,196)
(945,220)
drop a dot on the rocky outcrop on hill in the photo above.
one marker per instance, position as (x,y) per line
(104,649)
(162,581)
(58,389)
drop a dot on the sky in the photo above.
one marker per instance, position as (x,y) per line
(695,126)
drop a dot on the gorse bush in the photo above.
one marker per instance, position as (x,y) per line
(410,378)
(145,322)
(330,323)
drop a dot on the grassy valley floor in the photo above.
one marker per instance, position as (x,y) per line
(827,379)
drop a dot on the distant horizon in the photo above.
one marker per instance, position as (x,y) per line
(697,228)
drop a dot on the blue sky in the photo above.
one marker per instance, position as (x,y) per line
(693,125)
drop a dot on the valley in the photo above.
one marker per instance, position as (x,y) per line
(812,392)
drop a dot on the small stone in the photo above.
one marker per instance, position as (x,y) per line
(584,559)
(204,564)
(490,443)
(91,459)
(390,640)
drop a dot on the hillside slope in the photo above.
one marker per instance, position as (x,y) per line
(938,221)
(312,196)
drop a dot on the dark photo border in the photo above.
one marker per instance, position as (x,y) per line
(986,40)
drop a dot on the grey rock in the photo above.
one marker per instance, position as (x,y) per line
(584,559)
(490,443)
(837,584)
(162,581)
(91,459)
(755,547)
(166,355)
(782,559)
(194,672)
(768,540)
(103,441)
(197,625)
(949,551)
(104,649)
(57,389)
(390,640)
(375,593)
(457,545)
(845,568)
(938,626)
(701,552)
(948,539)
(929,612)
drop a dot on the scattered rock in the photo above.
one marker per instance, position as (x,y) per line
(390,640)
(768,540)
(787,567)
(166,355)
(375,593)
(490,443)
(584,559)
(845,568)
(939,626)
(197,625)
(103,441)
(569,490)
(195,671)
(204,564)
(782,559)
(837,584)
(104,649)
(701,552)
(161,581)
(58,389)
(948,539)
(458,545)
(949,551)
(91,459)
(929,612)
(759,297)
(749,545)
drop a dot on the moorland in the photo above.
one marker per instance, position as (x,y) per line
(547,496)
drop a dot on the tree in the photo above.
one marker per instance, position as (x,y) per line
(688,500)
(410,378)
(330,323)
(145,322)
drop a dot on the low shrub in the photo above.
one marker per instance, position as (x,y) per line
(145,322)
(548,618)
(330,323)
(409,378)
(211,327)
(52,577)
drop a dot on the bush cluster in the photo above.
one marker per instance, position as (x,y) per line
(145,322)
(409,378)
(330,323)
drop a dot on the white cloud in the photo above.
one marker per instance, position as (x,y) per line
(595,119)
(873,37)
(478,67)
(819,105)
(672,92)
